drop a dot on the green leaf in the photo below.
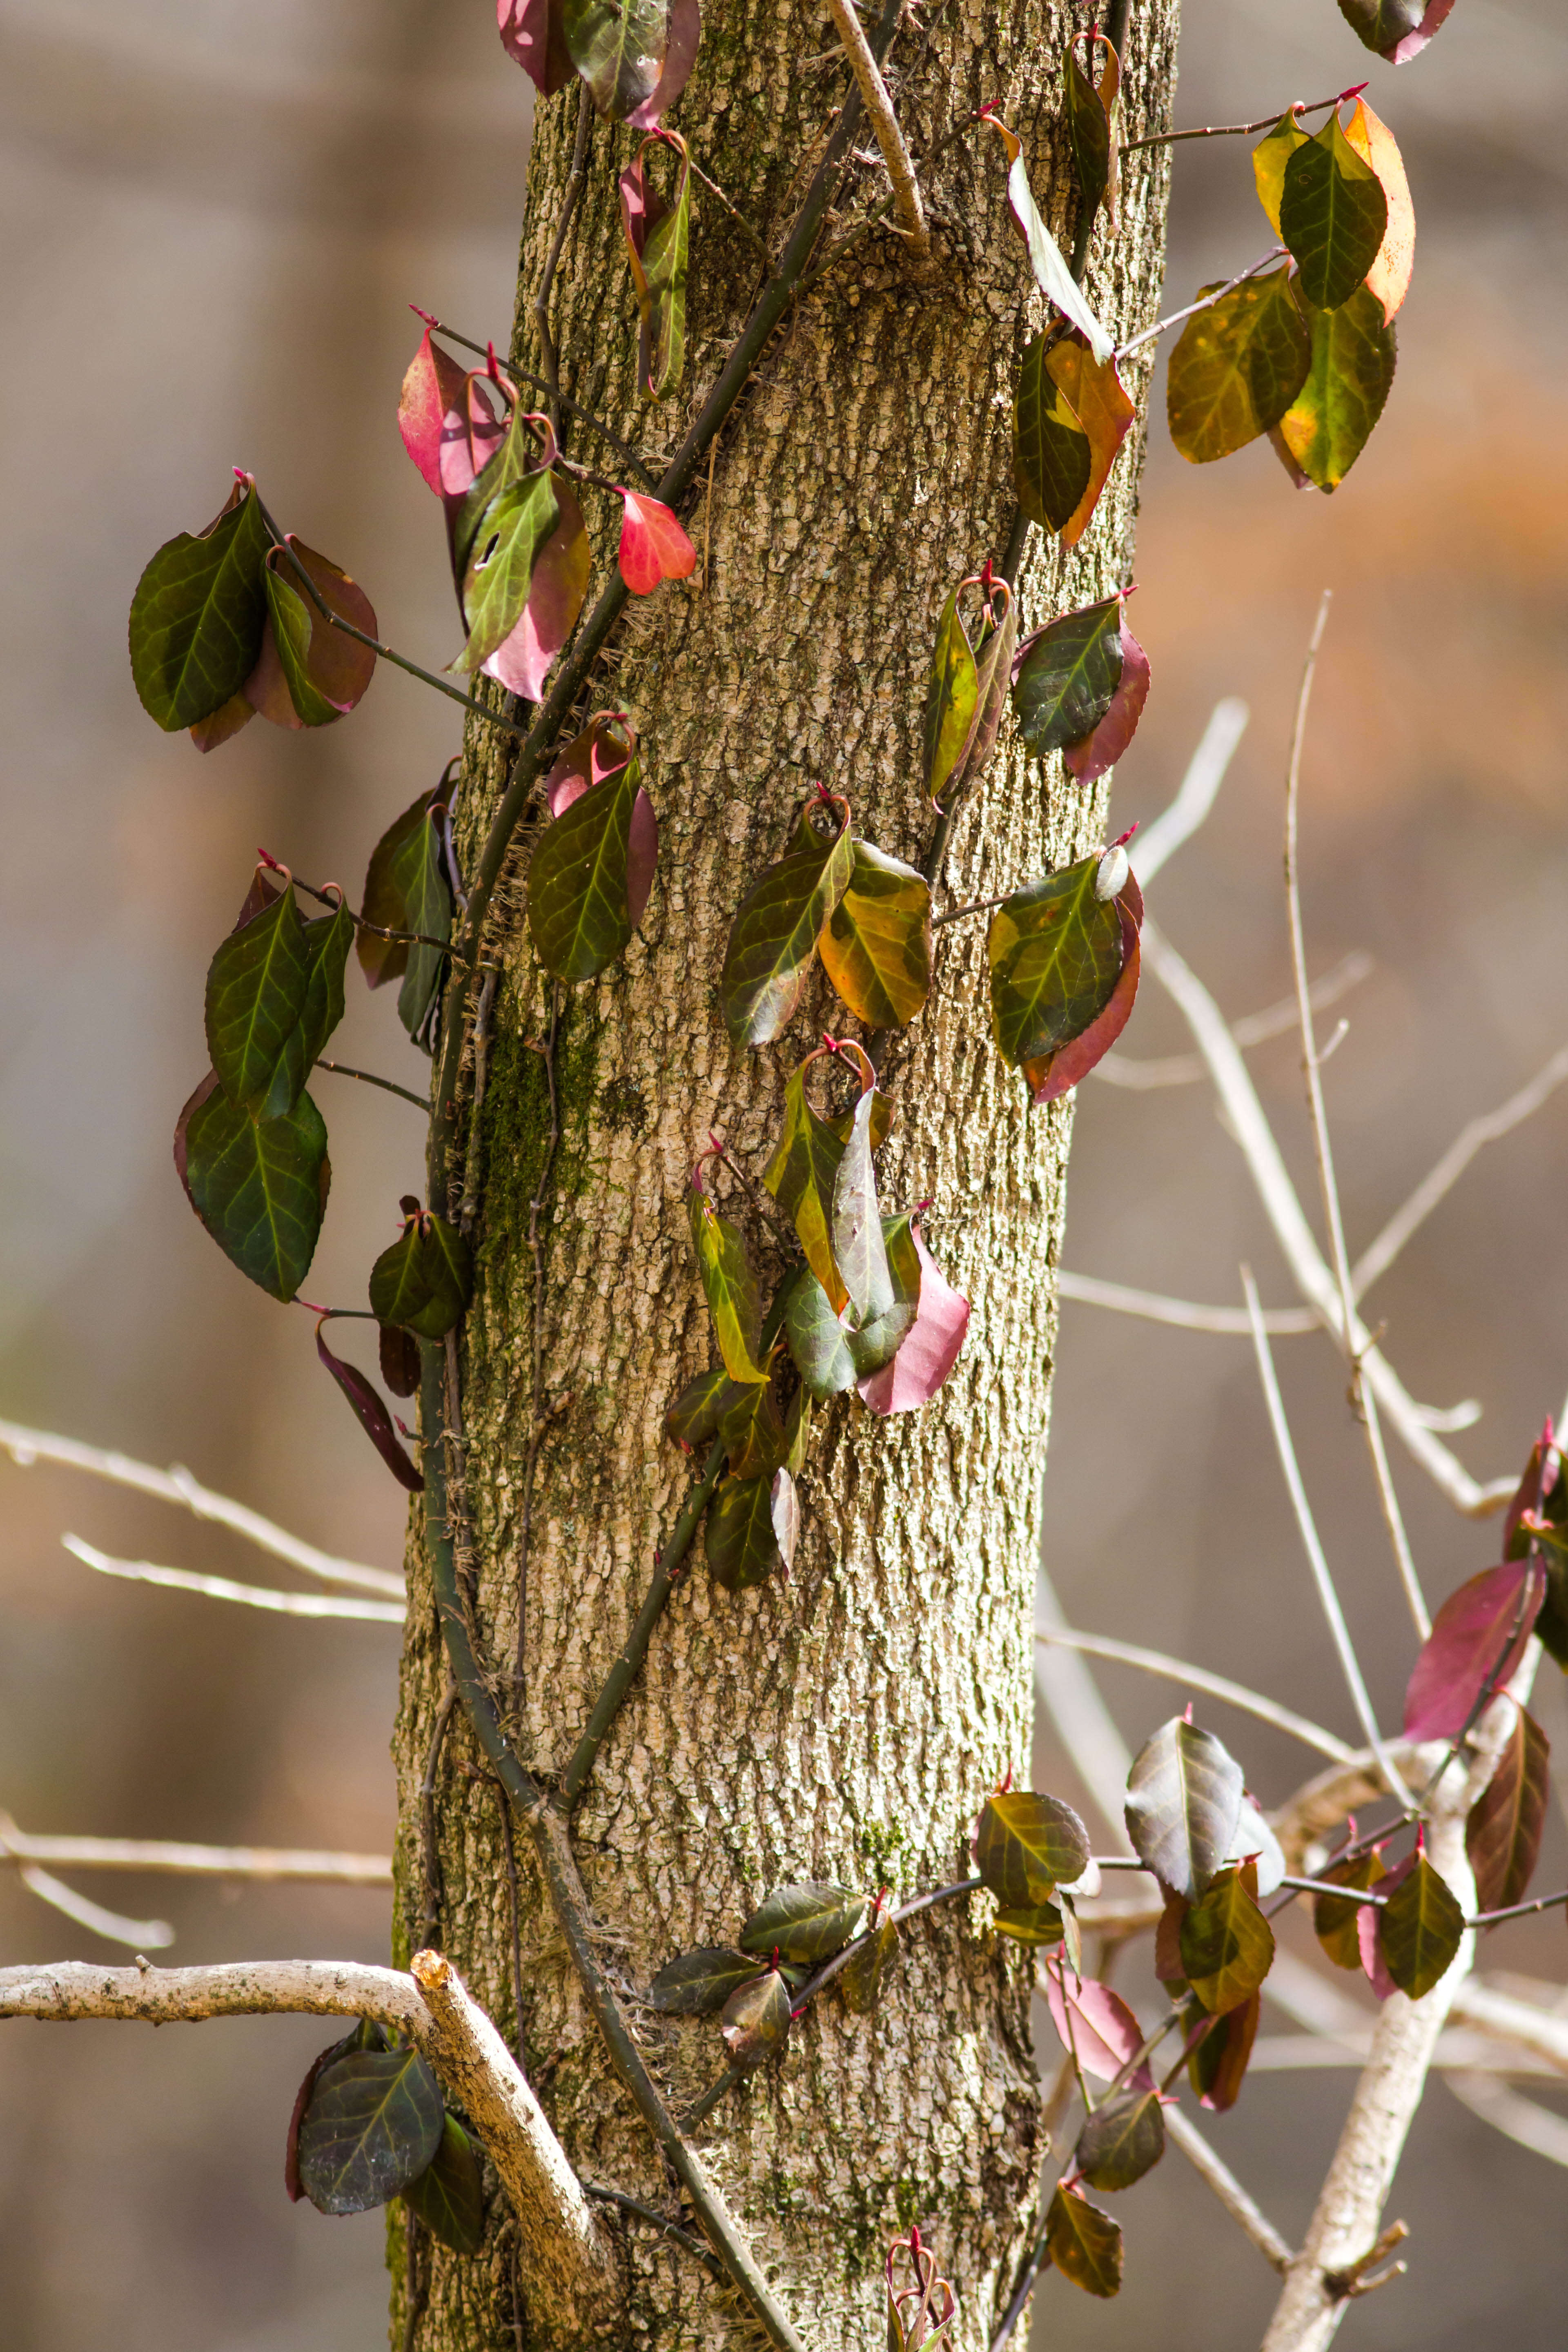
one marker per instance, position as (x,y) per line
(1331,420)
(752,1432)
(1334,1917)
(1183,1798)
(1052,456)
(1088,135)
(1123,2140)
(1226,1944)
(877,948)
(423,1281)
(729,1286)
(578,911)
(858,1248)
(1057,952)
(816,1338)
(617,46)
(755,2021)
(197,615)
(876,1340)
(259,1186)
(419,880)
(450,2195)
(1084,2244)
(994,665)
(949,698)
(328,942)
(864,1973)
(1332,215)
(659,235)
(293,627)
(694,1416)
(1269,157)
(1067,676)
(373,2126)
(1026,1846)
(738,1536)
(808,1922)
(1236,368)
(797,1431)
(775,930)
(1031,1923)
(1504,1827)
(801,1176)
(256,992)
(1419,1930)
(381,901)
(500,570)
(700,1981)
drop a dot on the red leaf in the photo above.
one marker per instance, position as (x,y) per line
(930,1348)
(683,31)
(554,599)
(1413,43)
(1089,759)
(373,1415)
(1470,1634)
(532,32)
(432,387)
(1059,1073)
(471,433)
(339,667)
(1367,1916)
(1540,1478)
(1218,2066)
(1105,2034)
(600,750)
(653,545)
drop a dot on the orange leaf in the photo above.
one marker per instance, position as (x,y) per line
(1389,276)
(1096,396)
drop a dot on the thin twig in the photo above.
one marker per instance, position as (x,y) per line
(223,1588)
(574,179)
(1228,130)
(536,1401)
(885,123)
(1250,1029)
(162,1857)
(1205,302)
(1217,2174)
(734,210)
(29,1446)
(1176,824)
(1363,1401)
(672,2230)
(1519,1910)
(369,1078)
(978,907)
(1154,1662)
(1184,1313)
(1327,1595)
(141,1935)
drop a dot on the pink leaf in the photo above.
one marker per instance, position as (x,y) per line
(683,31)
(1059,1073)
(653,545)
(554,599)
(1089,759)
(432,387)
(642,855)
(533,34)
(1373,1965)
(602,749)
(1105,2034)
(1469,1635)
(471,433)
(1413,43)
(929,1347)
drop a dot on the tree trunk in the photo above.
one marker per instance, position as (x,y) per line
(849,1722)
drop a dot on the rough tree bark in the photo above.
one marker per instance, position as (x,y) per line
(848,1723)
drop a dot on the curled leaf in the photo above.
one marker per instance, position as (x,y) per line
(1099,400)
(1504,1829)
(448,2196)
(1389,276)
(1052,456)
(1087,761)
(951,696)
(659,233)
(784,1504)
(859,1244)
(309,674)
(423,1282)
(1216,2064)
(756,2020)
(1091,126)
(729,1286)
(1052,275)
(801,1176)
(861,1980)
(816,1338)
(372,1415)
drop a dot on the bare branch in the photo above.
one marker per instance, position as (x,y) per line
(161,1857)
(149,1935)
(1195,795)
(1154,1662)
(1539,2030)
(1182,1314)
(1518,2119)
(1380,1254)
(71,1988)
(1251,1029)
(1218,2176)
(223,1588)
(880,111)
(28,1446)
(1327,1595)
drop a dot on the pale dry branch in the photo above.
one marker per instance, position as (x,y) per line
(1518,2119)
(1195,794)
(1217,2174)
(163,1858)
(1323,1802)
(1518,2022)
(152,1935)
(1182,1314)
(69,1990)
(1380,1254)
(1250,1029)
(1155,1661)
(28,1446)
(223,1588)
(884,121)
(1238,1098)
(1456,2051)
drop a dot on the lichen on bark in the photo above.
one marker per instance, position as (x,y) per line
(847,1722)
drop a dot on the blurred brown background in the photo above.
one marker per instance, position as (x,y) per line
(215,216)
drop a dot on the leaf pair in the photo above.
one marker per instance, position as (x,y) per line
(407,891)
(968,689)
(1226,1944)
(1070,417)
(592,869)
(821,1175)
(658,237)
(370,2124)
(221,626)
(1064,971)
(423,1281)
(780,923)
(1052,275)
(1372,144)
(1080,685)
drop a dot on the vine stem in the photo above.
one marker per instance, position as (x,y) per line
(1231,129)
(369,1078)
(545,1822)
